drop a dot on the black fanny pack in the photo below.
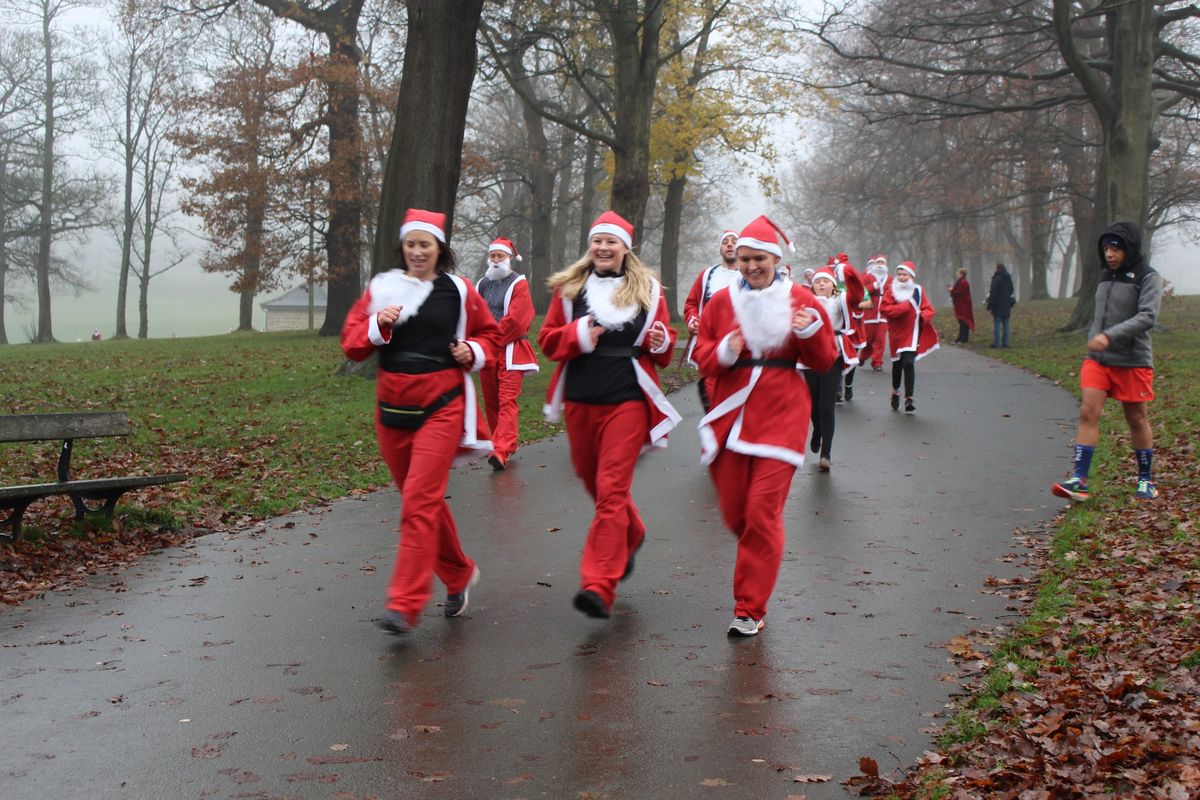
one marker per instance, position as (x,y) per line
(776,363)
(410,418)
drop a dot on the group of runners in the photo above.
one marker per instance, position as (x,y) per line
(774,356)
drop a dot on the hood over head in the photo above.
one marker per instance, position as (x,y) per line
(1128,233)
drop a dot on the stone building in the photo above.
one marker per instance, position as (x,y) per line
(289,311)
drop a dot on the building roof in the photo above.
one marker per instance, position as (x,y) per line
(296,298)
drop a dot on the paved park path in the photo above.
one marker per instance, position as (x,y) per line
(247,665)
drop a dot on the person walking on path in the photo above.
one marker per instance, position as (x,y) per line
(707,283)
(960,294)
(507,295)
(1119,361)
(428,328)
(751,339)
(608,329)
(910,328)
(822,386)
(875,283)
(850,286)
(1000,301)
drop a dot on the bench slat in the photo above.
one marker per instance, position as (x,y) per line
(36,427)
(86,488)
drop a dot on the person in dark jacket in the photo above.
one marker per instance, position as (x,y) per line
(1000,301)
(1119,361)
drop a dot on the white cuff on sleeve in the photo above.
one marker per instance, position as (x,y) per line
(480,356)
(373,332)
(812,327)
(583,330)
(725,354)
(666,339)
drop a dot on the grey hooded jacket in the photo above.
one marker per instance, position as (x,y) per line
(1127,303)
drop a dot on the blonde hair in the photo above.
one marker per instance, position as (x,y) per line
(638,288)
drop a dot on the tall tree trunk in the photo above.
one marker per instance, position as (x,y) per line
(147,245)
(669,260)
(1064,277)
(343,239)
(562,208)
(425,158)
(1038,221)
(587,193)
(541,187)
(127,221)
(45,327)
(635,40)
(3,243)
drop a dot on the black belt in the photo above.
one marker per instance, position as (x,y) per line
(395,360)
(778,363)
(615,352)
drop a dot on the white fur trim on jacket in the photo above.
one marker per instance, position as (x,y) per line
(396,288)
(599,291)
(508,348)
(710,448)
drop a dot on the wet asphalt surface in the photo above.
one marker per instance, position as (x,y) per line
(247,665)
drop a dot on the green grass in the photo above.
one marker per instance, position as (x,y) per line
(260,422)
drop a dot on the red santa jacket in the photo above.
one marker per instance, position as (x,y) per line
(875,289)
(910,325)
(517,354)
(760,410)
(693,306)
(476,328)
(563,337)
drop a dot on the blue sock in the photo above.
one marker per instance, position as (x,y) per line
(1083,461)
(1144,459)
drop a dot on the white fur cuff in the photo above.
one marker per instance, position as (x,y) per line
(480,355)
(811,328)
(725,354)
(583,331)
(666,338)
(373,332)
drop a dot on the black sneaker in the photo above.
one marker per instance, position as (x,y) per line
(849,393)
(592,604)
(814,441)
(456,604)
(909,406)
(895,401)
(496,461)
(394,622)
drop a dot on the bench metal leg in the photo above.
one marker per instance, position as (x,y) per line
(13,520)
(110,503)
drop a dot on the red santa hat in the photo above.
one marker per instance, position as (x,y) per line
(725,234)
(881,259)
(825,272)
(504,246)
(764,234)
(416,219)
(908,267)
(613,223)
(842,258)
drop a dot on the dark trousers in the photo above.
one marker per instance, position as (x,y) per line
(905,365)
(822,388)
(964,333)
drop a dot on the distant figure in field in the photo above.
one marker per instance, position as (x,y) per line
(1119,362)
(429,329)
(508,298)
(960,293)
(96,335)
(1000,301)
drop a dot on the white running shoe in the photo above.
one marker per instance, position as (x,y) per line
(744,626)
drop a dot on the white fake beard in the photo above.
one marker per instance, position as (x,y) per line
(764,315)
(600,291)
(903,290)
(880,274)
(396,288)
(499,270)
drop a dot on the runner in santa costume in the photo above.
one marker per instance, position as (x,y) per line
(607,327)
(507,296)
(429,329)
(874,325)
(910,328)
(752,337)
(850,285)
(708,283)
(822,386)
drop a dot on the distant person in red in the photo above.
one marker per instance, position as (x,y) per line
(707,283)
(96,335)
(507,295)
(752,338)
(875,282)
(910,329)
(429,329)
(609,330)
(960,293)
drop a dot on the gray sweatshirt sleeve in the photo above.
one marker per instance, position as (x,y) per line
(1149,301)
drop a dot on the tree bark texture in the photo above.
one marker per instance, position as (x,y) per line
(541,188)
(45,327)
(669,258)
(425,158)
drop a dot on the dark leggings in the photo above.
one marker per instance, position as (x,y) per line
(906,364)
(822,387)
(964,333)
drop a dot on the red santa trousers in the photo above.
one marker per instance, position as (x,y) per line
(876,338)
(751,492)
(420,464)
(605,443)
(501,390)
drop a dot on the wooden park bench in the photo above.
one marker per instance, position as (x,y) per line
(68,428)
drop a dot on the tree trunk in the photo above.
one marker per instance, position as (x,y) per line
(669,260)
(541,186)
(343,239)
(635,40)
(562,207)
(147,244)
(3,243)
(1064,282)
(119,332)
(425,157)
(45,327)
(587,193)
(1089,231)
